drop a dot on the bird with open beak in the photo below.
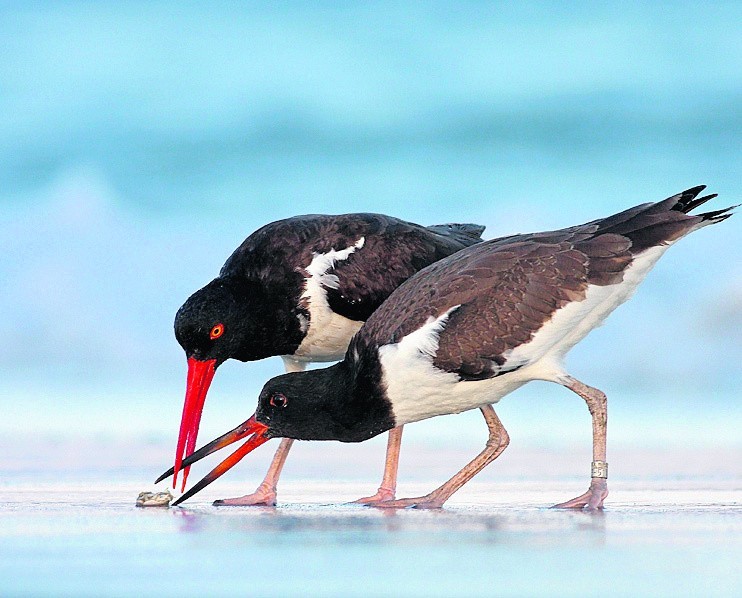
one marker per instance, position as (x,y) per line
(469,329)
(300,288)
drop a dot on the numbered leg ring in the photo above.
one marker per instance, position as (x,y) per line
(599,469)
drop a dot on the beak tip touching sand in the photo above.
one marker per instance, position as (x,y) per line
(252,429)
(200,375)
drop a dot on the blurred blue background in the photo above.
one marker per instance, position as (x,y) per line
(140,142)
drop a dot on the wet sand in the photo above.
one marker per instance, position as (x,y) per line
(78,533)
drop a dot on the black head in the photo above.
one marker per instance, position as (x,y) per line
(323,404)
(335,403)
(236,319)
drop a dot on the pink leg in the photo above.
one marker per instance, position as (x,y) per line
(389,481)
(265,495)
(496,443)
(598,406)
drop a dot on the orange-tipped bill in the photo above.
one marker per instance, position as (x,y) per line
(249,428)
(200,374)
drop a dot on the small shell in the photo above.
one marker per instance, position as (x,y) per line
(154,499)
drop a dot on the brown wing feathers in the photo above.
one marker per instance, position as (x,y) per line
(508,288)
(508,308)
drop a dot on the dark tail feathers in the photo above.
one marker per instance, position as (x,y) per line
(686,201)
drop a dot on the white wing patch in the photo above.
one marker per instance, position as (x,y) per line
(322,263)
(425,339)
(418,390)
(327,333)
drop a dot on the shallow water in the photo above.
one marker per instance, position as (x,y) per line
(657,538)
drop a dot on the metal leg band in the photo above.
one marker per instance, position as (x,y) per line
(599,469)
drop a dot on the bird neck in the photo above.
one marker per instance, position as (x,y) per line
(272,323)
(365,410)
(379,416)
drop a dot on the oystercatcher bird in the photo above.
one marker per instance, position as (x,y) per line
(301,288)
(468,330)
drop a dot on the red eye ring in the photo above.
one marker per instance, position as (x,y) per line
(216,331)
(279,400)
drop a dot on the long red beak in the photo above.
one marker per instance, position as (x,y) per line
(251,428)
(200,374)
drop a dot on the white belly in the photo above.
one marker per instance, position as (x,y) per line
(327,337)
(417,390)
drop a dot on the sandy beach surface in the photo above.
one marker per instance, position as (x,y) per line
(672,527)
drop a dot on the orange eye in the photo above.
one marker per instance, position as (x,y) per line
(216,331)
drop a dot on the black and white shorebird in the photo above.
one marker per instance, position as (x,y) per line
(466,331)
(301,288)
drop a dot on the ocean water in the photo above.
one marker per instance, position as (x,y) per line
(141,142)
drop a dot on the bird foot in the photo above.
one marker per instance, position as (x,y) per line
(382,495)
(421,502)
(592,500)
(262,497)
